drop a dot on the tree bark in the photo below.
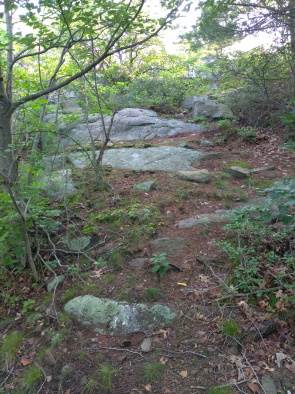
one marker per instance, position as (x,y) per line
(291,27)
(8,165)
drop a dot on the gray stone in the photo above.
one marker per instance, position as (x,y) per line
(202,106)
(198,176)
(58,184)
(54,162)
(129,124)
(137,262)
(211,155)
(54,282)
(262,169)
(93,118)
(118,318)
(206,143)
(83,380)
(66,370)
(222,215)
(167,158)
(70,107)
(219,216)
(185,145)
(49,359)
(268,385)
(239,172)
(145,186)
(146,345)
(170,246)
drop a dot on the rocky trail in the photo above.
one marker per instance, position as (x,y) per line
(154,311)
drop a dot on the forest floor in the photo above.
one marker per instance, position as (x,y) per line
(218,345)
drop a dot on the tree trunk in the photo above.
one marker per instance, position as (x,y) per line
(8,165)
(291,27)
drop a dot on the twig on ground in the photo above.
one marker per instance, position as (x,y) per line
(185,352)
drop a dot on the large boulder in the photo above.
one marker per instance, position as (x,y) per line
(202,106)
(129,124)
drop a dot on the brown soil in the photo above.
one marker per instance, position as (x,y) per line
(195,354)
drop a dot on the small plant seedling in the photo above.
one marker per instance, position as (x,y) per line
(10,346)
(230,328)
(153,294)
(107,374)
(28,306)
(160,263)
(32,375)
(152,371)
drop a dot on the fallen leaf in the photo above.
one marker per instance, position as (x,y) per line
(49,379)
(279,358)
(25,361)
(199,316)
(267,367)
(164,332)
(291,367)
(182,284)
(148,388)
(254,387)
(183,374)
(204,278)
(96,274)
(236,360)
(163,360)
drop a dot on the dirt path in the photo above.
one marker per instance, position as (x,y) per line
(202,349)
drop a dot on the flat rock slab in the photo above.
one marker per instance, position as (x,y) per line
(224,215)
(129,124)
(197,176)
(206,219)
(166,158)
(170,246)
(239,172)
(118,318)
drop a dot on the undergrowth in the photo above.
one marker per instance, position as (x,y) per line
(260,245)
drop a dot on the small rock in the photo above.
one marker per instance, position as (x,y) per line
(146,345)
(49,358)
(262,169)
(269,176)
(269,385)
(83,380)
(145,186)
(185,145)
(138,261)
(66,370)
(211,155)
(170,246)
(235,350)
(54,282)
(198,176)
(207,143)
(239,172)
